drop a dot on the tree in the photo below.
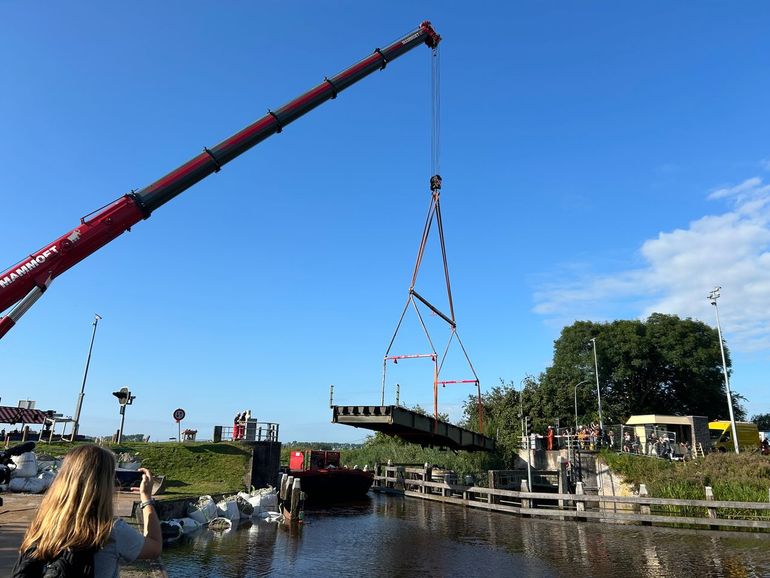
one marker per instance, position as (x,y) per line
(664,365)
(502,418)
(762,420)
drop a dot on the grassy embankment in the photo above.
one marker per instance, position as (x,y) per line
(198,468)
(191,469)
(742,478)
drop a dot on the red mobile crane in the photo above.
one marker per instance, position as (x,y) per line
(25,282)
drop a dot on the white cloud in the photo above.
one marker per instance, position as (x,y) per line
(681,266)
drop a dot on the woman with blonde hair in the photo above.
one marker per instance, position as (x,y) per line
(76,521)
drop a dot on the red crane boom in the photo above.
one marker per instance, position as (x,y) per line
(25,282)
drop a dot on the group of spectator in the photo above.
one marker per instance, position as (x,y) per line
(592,437)
(631,444)
(586,437)
(657,444)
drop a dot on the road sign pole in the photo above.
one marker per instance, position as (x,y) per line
(178,415)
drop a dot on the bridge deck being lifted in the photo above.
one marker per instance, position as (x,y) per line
(411,426)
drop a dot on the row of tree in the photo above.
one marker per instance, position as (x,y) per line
(661,365)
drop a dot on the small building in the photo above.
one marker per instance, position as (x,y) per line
(692,430)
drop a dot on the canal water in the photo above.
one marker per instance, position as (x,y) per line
(396,536)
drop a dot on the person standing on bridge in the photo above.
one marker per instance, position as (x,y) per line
(550,438)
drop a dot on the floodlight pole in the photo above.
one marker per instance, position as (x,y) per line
(75,426)
(712,297)
(526,437)
(598,393)
(576,413)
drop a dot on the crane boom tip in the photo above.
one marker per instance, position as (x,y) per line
(433,37)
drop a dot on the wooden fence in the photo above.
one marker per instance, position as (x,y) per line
(418,482)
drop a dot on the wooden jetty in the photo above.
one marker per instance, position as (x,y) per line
(418,482)
(411,426)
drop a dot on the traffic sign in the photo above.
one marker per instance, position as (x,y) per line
(179,414)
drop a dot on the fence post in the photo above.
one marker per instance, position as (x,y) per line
(580,505)
(525,502)
(563,483)
(712,512)
(644,509)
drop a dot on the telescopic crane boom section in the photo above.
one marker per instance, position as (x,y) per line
(24,283)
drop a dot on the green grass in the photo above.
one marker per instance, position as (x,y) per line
(741,478)
(191,469)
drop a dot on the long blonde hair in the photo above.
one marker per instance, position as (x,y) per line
(77,510)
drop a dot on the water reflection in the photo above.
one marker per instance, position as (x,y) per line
(390,536)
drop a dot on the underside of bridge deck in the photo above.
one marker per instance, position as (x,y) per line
(411,426)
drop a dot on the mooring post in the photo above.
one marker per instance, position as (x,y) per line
(282,487)
(296,490)
(287,501)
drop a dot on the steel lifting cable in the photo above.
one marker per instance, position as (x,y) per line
(436,112)
(435,155)
(434,212)
(436,170)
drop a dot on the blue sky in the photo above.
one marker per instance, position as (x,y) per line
(600,161)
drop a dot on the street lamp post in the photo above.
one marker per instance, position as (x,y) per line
(576,414)
(712,297)
(75,426)
(598,393)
